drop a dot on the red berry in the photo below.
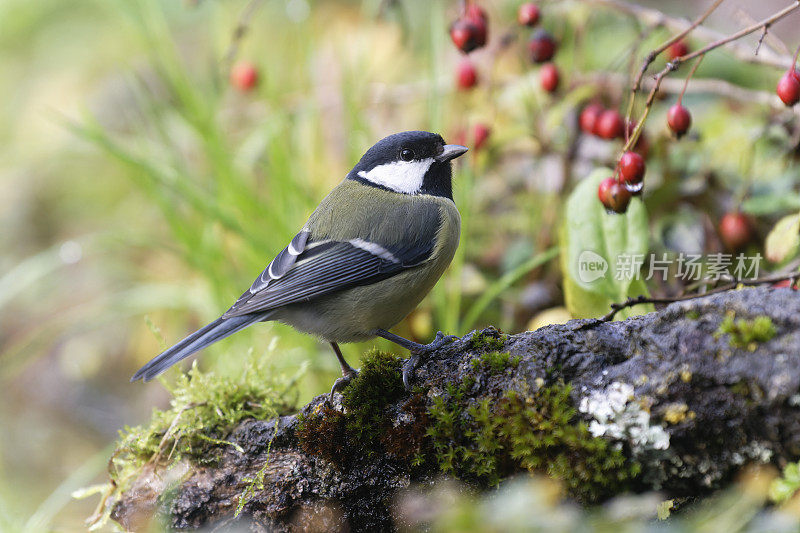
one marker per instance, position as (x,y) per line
(679,119)
(466,75)
(610,125)
(589,116)
(480,135)
(796,74)
(476,13)
(735,230)
(678,49)
(548,76)
(631,171)
(613,195)
(541,47)
(528,14)
(478,17)
(464,34)
(789,88)
(244,76)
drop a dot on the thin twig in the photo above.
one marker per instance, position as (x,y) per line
(741,33)
(239,32)
(648,60)
(678,61)
(656,18)
(631,73)
(689,77)
(761,38)
(630,302)
(771,40)
(669,42)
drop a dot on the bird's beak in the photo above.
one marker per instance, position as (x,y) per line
(451,151)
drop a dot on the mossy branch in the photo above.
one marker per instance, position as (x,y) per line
(676,401)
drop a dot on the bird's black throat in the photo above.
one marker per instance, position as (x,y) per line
(438,180)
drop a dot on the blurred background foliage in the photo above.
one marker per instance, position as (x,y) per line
(536,504)
(142,193)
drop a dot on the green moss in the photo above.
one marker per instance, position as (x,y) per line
(746,333)
(494,341)
(692,315)
(364,428)
(495,362)
(484,441)
(203,410)
(469,382)
(378,384)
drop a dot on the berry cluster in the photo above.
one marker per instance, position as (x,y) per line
(615,191)
(604,123)
(541,47)
(469,32)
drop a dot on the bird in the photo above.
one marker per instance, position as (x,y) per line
(366,257)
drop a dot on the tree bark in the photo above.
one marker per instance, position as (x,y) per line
(679,394)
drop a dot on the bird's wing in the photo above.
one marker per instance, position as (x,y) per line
(307,269)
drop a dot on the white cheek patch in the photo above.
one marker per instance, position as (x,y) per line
(401,176)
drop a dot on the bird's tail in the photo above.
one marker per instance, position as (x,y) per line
(205,336)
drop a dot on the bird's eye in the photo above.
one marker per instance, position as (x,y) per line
(406,154)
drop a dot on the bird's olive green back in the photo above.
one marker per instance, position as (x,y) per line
(353,210)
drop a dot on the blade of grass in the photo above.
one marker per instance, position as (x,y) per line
(42,519)
(509,278)
(28,272)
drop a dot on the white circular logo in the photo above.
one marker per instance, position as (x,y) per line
(591,266)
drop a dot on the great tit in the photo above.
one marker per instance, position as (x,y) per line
(369,253)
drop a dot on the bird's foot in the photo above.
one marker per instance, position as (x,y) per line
(411,364)
(342,383)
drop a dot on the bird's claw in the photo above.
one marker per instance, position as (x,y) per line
(341,384)
(410,364)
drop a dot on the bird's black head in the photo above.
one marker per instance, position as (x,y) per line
(411,162)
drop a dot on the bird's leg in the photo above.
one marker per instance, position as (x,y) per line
(348,372)
(417,350)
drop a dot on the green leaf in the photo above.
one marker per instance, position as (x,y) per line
(595,248)
(782,242)
(768,204)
